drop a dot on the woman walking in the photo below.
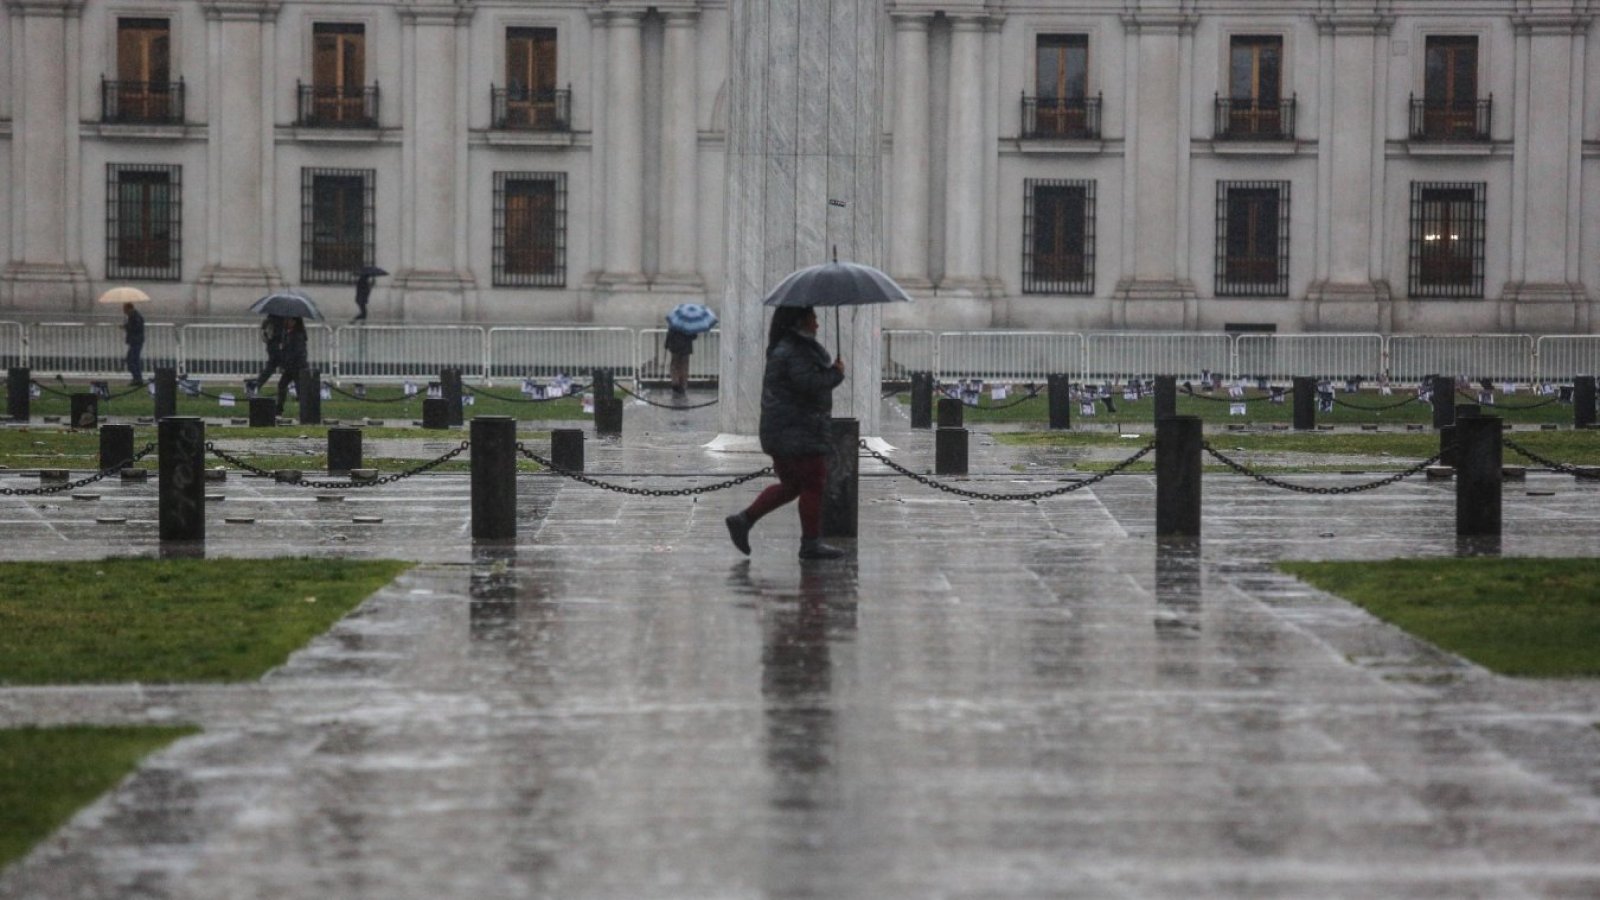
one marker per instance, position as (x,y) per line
(293,357)
(796,406)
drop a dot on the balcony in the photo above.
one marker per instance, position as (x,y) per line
(336,106)
(1461,121)
(521,109)
(1250,119)
(141,102)
(1052,118)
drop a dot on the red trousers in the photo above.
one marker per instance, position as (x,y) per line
(798,476)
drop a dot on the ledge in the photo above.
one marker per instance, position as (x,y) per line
(513,137)
(1253,148)
(302,134)
(1449,148)
(1049,146)
(145,131)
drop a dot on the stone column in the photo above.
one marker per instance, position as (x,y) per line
(1155,290)
(963,222)
(804,176)
(624,213)
(1546,292)
(908,252)
(1350,291)
(432,281)
(45,272)
(680,165)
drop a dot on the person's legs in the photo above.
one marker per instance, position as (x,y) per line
(787,488)
(136,363)
(680,373)
(283,387)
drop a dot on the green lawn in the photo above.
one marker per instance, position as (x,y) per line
(47,774)
(150,620)
(1531,617)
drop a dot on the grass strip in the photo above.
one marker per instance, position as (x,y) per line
(47,774)
(1523,616)
(173,620)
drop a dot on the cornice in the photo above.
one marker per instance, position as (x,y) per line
(1354,23)
(1159,22)
(1551,23)
(241,10)
(437,13)
(48,9)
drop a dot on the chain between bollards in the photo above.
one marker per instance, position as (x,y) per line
(1553,465)
(1242,469)
(637,491)
(1034,495)
(649,402)
(229,458)
(82,482)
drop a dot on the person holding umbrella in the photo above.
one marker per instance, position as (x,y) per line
(272,337)
(293,357)
(364,280)
(133,335)
(686,322)
(796,409)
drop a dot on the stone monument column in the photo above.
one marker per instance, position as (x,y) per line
(1546,292)
(963,226)
(680,164)
(908,253)
(433,278)
(804,176)
(624,166)
(45,272)
(1155,290)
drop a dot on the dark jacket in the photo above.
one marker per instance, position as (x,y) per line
(797,398)
(133,328)
(679,343)
(294,349)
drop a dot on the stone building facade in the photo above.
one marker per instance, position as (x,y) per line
(1298,165)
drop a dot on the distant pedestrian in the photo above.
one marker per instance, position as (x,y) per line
(272,339)
(293,357)
(363,293)
(133,336)
(796,408)
(679,345)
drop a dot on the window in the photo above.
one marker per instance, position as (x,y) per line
(143,91)
(144,222)
(1447,239)
(530,99)
(1254,106)
(1252,239)
(1450,108)
(1058,237)
(1061,106)
(336,230)
(530,229)
(338,94)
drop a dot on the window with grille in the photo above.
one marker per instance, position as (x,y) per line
(144,222)
(1447,239)
(1058,237)
(1252,239)
(336,224)
(530,229)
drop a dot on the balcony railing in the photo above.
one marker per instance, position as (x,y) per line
(1461,120)
(522,109)
(337,106)
(1250,119)
(1075,119)
(142,102)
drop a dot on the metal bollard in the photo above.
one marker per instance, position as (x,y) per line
(951,413)
(601,384)
(18,395)
(566,448)
(263,412)
(494,478)
(85,411)
(1166,396)
(450,389)
(1583,401)
(435,413)
(921,399)
(1058,397)
(181,443)
(841,496)
(1479,477)
(116,446)
(607,416)
(950,451)
(1178,440)
(1305,403)
(344,450)
(1444,400)
(166,393)
(309,385)
(1449,446)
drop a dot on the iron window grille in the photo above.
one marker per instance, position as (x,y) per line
(526,109)
(530,229)
(1058,225)
(1252,239)
(1062,118)
(337,106)
(141,102)
(1447,239)
(1451,120)
(144,222)
(336,224)
(1252,119)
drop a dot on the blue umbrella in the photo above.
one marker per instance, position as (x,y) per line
(691,318)
(286,303)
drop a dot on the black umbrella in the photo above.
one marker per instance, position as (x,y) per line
(289,304)
(836,284)
(371,272)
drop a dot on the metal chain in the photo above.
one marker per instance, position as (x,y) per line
(1191,393)
(47,390)
(637,491)
(571,392)
(229,458)
(74,485)
(345,393)
(1412,399)
(1474,397)
(1032,393)
(1565,468)
(1035,495)
(667,405)
(1242,469)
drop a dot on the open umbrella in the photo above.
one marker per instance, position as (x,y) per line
(836,284)
(371,272)
(691,318)
(120,295)
(290,304)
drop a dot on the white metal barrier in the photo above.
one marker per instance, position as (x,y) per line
(518,352)
(1565,356)
(1008,355)
(236,350)
(394,352)
(1499,357)
(1283,356)
(97,349)
(653,359)
(1117,355)
(908,351)
(13,345)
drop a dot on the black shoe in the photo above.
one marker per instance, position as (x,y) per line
(739,531)
(816,549)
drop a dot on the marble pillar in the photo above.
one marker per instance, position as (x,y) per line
(624,210)
(804,176)
(680,163)
(46,271)
(908,252)
(963,221)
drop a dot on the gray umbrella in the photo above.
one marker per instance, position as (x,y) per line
(289,304)
(836,284)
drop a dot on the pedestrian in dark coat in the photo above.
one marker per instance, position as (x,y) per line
(294,357)
(679,345)
(796,409)
(133,336)
(272,339)
(363,292)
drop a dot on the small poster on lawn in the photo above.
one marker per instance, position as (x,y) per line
(225,400)
(531,390)
(1086,409)
(998,392)
(588,404)
(1509,387)
(1235,409)
(361,391)
(410,389)
(1385,390)
(1485,398)
(435,390)
(468,400)
(34,393)
(1236,391)
(1277,396)
(327,392)
(100,389)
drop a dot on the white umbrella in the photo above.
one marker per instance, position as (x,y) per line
(120,295)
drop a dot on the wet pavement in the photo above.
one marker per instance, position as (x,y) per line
(984,700)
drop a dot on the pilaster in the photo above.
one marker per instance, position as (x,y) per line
(964,231)
(680,164)
(908,250)
(624,227)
